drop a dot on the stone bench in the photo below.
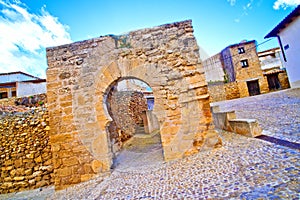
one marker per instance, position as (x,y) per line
(246,127)
(227,121)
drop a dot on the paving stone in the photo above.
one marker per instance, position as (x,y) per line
(243,168)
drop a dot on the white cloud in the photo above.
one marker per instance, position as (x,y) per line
(246,7)
(24,37)
(232,2)
(285,4)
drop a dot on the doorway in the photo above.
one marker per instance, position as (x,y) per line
(253,87)
(273,82)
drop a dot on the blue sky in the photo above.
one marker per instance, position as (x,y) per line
(27,27)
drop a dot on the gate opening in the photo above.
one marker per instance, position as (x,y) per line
(134,128)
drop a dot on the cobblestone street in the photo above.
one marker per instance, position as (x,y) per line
(244,168)
(278,113)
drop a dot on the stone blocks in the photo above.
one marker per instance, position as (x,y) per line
(227,121)
(165,57)
(25,156)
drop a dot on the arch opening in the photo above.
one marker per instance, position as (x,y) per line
(134,127)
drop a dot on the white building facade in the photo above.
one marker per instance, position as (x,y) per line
(19,84)
(288,34)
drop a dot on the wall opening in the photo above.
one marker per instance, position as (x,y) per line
(134,127)
(273,82)
(253,87)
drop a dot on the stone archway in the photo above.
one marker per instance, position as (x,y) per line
(134,129)
(79,74)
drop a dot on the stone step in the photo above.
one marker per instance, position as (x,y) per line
(139,130)
(141,142)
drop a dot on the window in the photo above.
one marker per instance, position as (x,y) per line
(286,47)
(241,50)
(244,63)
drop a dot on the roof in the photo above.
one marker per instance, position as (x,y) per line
(241,43)
(273,71)
(18,72)
(284,23)
(13,84)
(270,50)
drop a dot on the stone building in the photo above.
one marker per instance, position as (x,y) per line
(241,65)
(20,84)
(273,69)
(240,71)
(236,72)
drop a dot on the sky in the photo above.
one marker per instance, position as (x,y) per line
(28,27)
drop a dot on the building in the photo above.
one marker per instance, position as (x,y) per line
(287,33)
(18,84)
(238,65)
(273,69)
(240,71)
(213,69)
(241,65)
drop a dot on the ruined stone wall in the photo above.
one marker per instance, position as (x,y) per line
(25,152)
(126,109)
(80,74)
(27,101)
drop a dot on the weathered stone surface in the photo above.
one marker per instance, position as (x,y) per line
(126,109)
(247,127)
(24,142)
(169,62)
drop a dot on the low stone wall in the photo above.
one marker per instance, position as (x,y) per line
(231,91)
(223,91)
(29,101)
(25,152)
(217,92)
(234,90)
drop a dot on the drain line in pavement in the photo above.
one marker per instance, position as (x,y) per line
(292,145)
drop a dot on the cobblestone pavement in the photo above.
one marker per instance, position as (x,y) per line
(243,168)
(278,113)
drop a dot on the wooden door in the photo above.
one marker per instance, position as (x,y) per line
(253,88)
(273,82)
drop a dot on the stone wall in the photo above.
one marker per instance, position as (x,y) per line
(80,75)
(232,91)
(126,109)
(27,101)
(284,80)
(217,92)
(25,152)
(224,91)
